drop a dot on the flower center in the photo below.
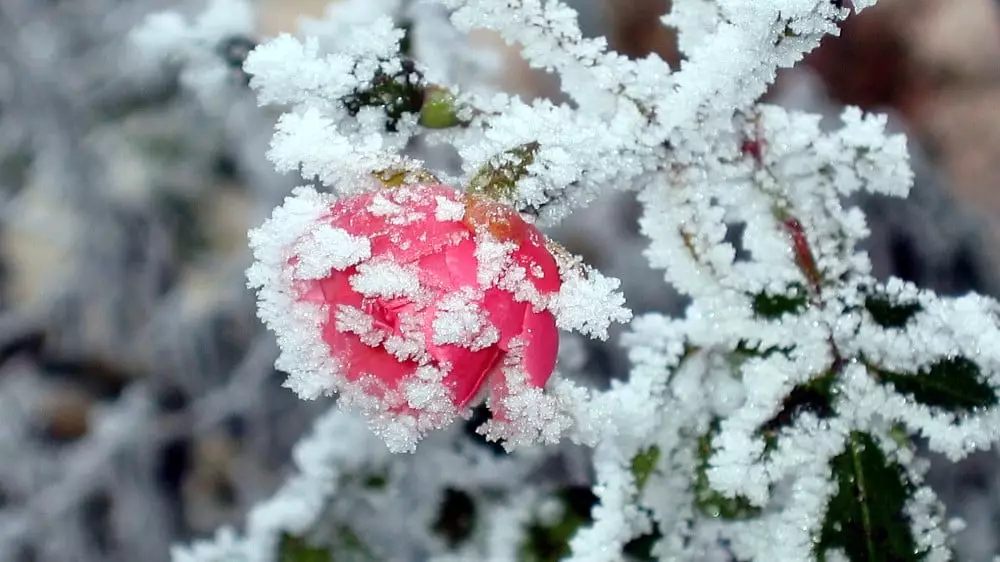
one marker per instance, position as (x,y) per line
(385,312)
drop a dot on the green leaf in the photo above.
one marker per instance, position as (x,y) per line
(708,500)
(866,516)
(439,110)
(888,314)
(498,178)
(643,465)
(954,384)
(295,549)
(773,307)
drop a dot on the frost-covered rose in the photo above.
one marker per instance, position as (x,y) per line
(410,302)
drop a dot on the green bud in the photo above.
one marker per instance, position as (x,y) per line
(439,110)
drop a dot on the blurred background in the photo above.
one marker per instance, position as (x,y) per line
(138,402)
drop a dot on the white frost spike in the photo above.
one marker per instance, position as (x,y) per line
(329,248)
(356,321)
(311,369)
(448,210)
(494,259)
(460,321)
(589,302)
(386,279)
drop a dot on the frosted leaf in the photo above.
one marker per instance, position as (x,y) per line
(287,70)
(577,154)
(312,142)
(694,20)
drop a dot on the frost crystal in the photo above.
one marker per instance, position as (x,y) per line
(329,248)
(589,304)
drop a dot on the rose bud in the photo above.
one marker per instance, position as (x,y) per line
(412,303)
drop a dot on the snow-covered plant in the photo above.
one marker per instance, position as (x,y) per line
(775,420)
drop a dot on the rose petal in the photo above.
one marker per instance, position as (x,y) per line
(469,369)
(542,269)
(505,313)
(541,345)
(360,359)
(336,288)
(452,268)
(416,231)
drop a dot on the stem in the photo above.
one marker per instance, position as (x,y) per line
(803,253)
(861,493)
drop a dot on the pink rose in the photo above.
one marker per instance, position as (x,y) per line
(425,298)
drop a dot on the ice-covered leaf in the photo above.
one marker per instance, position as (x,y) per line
(867,518)
(499,176)
(643,465)
(773,306)
(889,314)
(955,384)
(709,501)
